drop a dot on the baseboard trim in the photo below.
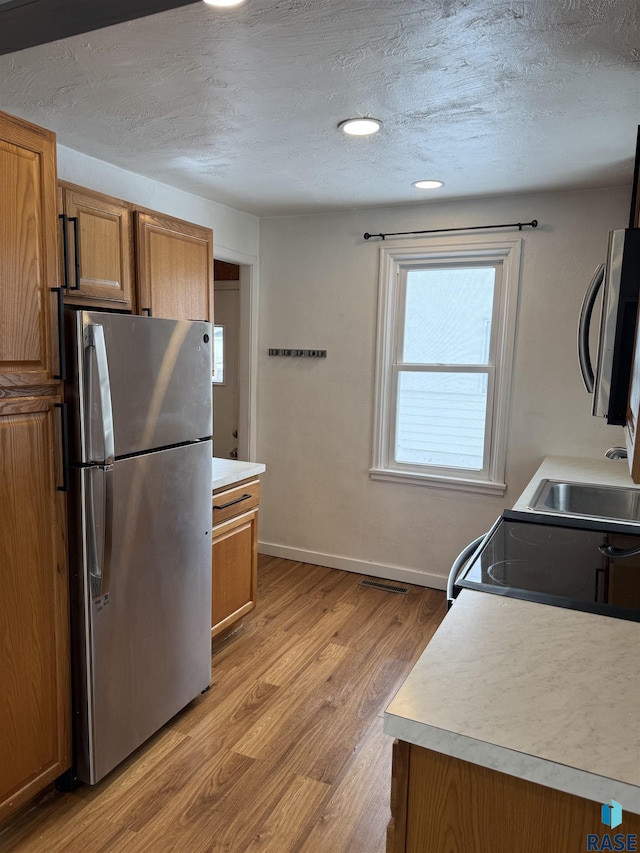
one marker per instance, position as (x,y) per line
(360,567)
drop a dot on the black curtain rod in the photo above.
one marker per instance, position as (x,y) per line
(518,225)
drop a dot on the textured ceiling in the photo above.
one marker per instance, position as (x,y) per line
(241,105)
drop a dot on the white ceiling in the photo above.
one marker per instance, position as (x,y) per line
(241,105)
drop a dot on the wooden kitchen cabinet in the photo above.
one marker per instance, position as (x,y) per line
(35,711)
(115,256)
(28,255)
(35,703)
(174,267)
(235,554)
(96,230)
(441,804)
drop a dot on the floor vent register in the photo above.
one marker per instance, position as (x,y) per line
(387,587)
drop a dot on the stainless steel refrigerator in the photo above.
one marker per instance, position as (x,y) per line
(140,426)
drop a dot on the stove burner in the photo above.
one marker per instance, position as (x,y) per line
(533,534)
(534,576)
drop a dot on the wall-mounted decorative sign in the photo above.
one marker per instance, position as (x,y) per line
(300,353)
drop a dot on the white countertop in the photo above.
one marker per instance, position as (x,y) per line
(543,693)
(226,472)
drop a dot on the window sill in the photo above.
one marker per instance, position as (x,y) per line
(460,484)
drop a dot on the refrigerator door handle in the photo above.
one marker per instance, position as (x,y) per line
(99,563)
(95,340)
(101,569)
(105,569)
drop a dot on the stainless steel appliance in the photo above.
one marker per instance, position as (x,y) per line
(590,565)
(139,399)
(619,280)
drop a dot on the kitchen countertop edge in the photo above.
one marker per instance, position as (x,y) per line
(477,703)
(227,472)
(531,768)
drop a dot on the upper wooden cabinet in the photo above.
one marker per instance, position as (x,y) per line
(174,261)
(28,256)
(95,247)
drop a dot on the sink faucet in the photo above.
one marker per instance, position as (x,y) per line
(616,453)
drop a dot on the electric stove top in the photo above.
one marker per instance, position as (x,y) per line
(575,563)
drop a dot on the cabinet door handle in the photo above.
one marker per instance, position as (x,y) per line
(65,249)
(64,422)
(231,503)
(61,349)
(76,251)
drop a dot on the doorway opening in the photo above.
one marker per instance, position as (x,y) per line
(234,360)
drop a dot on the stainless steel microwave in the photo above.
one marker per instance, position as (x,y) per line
(619,280)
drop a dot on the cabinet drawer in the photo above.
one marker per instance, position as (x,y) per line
(234,501)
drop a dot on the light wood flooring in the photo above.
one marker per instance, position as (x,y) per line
(284,754)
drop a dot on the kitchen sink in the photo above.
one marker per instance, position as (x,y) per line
(587,500)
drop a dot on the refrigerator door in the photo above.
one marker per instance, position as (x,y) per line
(144,641)
(141,383)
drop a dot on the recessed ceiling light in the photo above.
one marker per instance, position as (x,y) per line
(427,185)
(360,126)
(223,3)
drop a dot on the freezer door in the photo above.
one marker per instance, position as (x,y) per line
(153,374)
(144,644)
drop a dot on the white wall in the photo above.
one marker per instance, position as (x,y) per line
(318,289)
(235,234)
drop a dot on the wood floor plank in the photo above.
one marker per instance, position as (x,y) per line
(276,721)
(232,684)
(133,771)
(283,754)
(64,826)
(289,665)
(238,812)
(172,789)
(357,814)
(289,818)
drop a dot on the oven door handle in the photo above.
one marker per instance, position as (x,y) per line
(611,551)
(459,562)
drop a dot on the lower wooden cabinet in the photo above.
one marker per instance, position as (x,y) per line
(35,701)
(235,554)
(441,804)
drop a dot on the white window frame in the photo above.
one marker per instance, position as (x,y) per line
(489,250)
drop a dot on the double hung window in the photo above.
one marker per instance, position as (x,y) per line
(446,323)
